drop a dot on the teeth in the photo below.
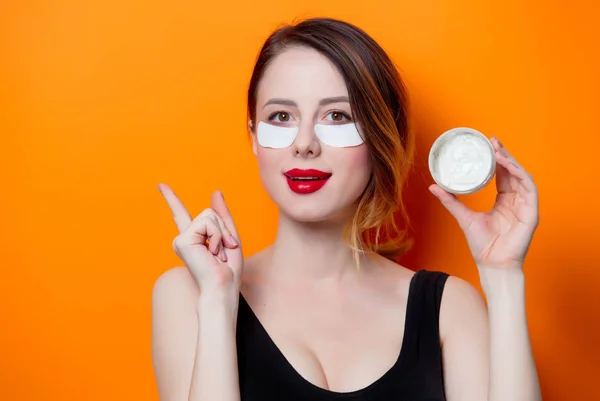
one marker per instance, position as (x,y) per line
(307,178)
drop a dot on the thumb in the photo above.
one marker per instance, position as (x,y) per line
(461,213)
(219,206)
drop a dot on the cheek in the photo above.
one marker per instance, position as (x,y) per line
(353,170)
(269,163)
(358,162)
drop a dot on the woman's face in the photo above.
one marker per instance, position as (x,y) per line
(301,88)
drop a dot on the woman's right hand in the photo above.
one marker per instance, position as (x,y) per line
(209,244)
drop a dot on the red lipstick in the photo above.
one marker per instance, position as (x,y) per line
(306,181)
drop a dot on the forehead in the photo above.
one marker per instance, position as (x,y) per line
(301,73)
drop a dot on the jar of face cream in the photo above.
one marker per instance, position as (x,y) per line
(462,161)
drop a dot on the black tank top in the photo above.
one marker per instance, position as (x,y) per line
(265,374)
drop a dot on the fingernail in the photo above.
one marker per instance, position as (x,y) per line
(233,240)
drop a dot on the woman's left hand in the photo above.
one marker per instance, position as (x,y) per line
(499,238)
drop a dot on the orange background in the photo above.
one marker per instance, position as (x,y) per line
(101,101)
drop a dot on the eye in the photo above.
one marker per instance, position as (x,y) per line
(280,117)
(338,116)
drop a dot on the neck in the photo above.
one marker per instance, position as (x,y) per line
(312,251)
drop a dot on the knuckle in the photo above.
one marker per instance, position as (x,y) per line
(177,243)
(207,212)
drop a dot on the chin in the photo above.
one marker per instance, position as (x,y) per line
(319,209)
(307,214)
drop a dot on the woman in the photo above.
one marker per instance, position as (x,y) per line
(322,314)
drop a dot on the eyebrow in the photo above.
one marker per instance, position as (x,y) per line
(322,102)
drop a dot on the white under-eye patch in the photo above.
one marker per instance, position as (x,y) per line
(272,136)
(339,135)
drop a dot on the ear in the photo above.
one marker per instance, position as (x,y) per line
(251,131)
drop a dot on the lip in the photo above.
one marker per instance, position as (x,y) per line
(300,173)
(300,181)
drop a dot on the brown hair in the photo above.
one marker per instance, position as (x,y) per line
(379,103)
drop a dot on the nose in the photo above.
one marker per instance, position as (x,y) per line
(307,144)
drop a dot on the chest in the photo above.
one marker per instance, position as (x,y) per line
(337,346)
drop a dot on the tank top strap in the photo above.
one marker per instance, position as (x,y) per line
(422,318)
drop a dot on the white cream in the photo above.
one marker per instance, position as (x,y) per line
(462,161)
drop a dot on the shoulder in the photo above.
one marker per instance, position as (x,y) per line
(463,308)
(175,285)
(458,294)
(177,276)
(388,270)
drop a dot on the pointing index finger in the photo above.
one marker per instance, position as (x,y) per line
(180,214)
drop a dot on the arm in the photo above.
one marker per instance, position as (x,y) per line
(215,374)
(513,374)
(486,352)
(192,361)
(499,241)
(194,308)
